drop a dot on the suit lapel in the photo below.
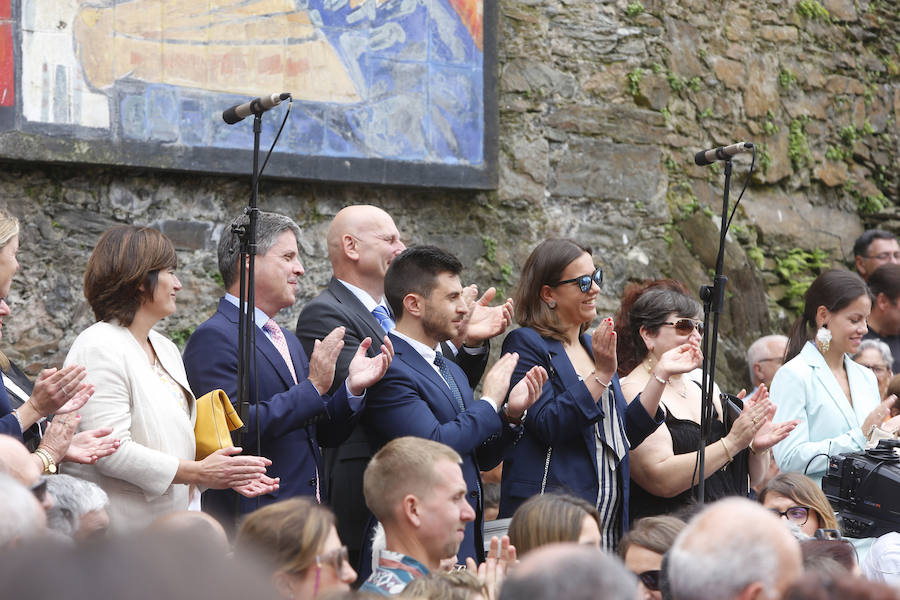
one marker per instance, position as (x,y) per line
(346,297)
(264,346)
(827,380)
(414,360)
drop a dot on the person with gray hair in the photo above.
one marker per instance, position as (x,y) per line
(79,508)
(733,549)
(876,355)
(764,356)
(21,515)
(570,571)
(292,409)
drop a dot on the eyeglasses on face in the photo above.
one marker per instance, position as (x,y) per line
(886,256)
(584,282)
(878,369)
(650,579)
(794,514)
(336,558)
(686,326)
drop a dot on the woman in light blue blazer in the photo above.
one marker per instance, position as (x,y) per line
(835,399)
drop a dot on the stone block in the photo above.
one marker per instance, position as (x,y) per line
(831,173)
(654,92)
(790,220)
(841,10)
(186,235)
(591,168)
(729,72)
(619,122)
(761,90)
(684,39)
(778,33)
(840,84)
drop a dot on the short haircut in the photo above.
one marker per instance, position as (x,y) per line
(414,271)
(403,466)
(701,563)
(269,226)
(126,259)
(804,491)
(544,266)
(575,573)
(547,519)
(862,243)
(286,535)
(72,498)
(758,349)
(886,355)
(653,533)
(21,517)
(885,280)
(9,227)
(455,585)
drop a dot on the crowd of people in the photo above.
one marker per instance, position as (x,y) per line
(370,466)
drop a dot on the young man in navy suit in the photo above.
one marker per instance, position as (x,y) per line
(362,242)
(292,411)
(424,395)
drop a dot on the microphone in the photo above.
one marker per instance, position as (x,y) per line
(254,107)
(708,157)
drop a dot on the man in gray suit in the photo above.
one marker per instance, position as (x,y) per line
(362,242)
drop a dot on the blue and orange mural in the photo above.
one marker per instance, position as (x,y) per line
(392,80)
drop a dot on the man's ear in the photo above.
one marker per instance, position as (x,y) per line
(859,265)
(413,304)
(411,510)
(882,301)
(754,591)
(350,246)
(757,373)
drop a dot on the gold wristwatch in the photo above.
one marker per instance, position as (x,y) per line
(49,463)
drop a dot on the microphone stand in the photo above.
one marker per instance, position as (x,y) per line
(713,298)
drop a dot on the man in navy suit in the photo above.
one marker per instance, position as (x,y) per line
(362,242)
(424,395)
(290,405)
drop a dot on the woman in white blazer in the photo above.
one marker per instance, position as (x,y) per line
(142,391)
(835,399)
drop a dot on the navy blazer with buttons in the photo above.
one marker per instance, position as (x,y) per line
(563,418)
(413,399)
(293,419)
(9,424)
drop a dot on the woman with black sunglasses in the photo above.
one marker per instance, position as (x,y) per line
(655,318)
(577,435)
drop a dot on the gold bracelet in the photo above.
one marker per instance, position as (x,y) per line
(725,446)
(47,460)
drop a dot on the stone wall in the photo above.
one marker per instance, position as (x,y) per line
(602,106)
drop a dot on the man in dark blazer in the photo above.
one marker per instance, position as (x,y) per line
(290,405)
(424,395)
(362,242)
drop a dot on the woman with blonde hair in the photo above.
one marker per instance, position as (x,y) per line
(297,540)
(552,518)
(796,497)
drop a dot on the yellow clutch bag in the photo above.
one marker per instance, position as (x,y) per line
(216,419)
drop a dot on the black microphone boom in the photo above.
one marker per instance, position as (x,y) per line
(708,157)
(257,106)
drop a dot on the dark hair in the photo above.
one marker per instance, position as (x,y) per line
(812,586)
(269,226)
(126,259)
(834,289)
(648,305)
(414,271)
(862,243)
(547,519)
(885,280)
(543,267)
(816,552)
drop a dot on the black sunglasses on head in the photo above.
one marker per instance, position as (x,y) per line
(650,579)
(584,282)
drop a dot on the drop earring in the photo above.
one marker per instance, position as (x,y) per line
(551,304)
(823,339)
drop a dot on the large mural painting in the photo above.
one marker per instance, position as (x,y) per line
(386,91)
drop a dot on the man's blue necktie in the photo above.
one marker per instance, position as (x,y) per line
(448,377)
(383,317)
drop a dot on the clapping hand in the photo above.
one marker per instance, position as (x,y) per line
(483,322)
(768,434)
(500,557)
(681,359)
(603,345)
(323,359)
(526,392)
(88,447)
(364,370)
(259,487)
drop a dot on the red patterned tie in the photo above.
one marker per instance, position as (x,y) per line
(281,345)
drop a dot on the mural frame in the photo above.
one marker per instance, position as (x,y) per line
(24,140)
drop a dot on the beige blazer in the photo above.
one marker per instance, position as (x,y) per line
(154,429)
